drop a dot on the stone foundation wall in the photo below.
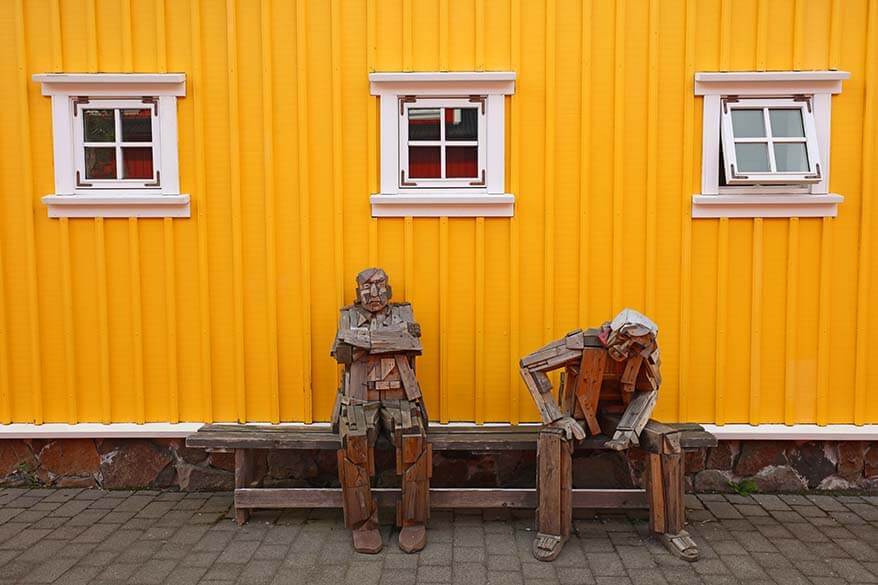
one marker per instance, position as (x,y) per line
(763,466)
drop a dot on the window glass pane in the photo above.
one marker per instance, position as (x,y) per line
(791,157)
(461,123)
(424,162)
(752,157)
(137,162)
(748,123)
(99,125)
(136,125)
(461,161)
(100,163)
(424,124)
(786,123)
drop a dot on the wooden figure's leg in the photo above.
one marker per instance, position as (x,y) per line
(413,463)
(666,505)
(554,494)
(243,477)
(356,465)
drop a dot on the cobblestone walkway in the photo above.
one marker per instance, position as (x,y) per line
(95,537)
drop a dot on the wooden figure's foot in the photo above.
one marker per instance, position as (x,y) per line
(367,540)
(681,545)
(412,538)
(547,547)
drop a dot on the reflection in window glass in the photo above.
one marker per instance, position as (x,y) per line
(461,124)
(136,125)
(424,124)
(100,163)
(752,157)
(99,125)
(748,123)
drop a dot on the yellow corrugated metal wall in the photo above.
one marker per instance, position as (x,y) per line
(230,314)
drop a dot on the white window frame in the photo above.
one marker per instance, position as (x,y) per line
(85,185)
(406,181)
(773,176)
(790,197)
(160,197)
(447,197)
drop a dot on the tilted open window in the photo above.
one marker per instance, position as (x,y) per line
(766,144)
(442,144)
(769,141)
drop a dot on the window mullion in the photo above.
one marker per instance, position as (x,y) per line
(117,119)
(442,143)
(772,164)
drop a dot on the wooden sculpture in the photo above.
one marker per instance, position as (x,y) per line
(377,342)
(608,371)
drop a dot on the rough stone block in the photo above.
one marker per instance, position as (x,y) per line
(73,459)
(713,480)
(851,459)
(132,463)
(779,478)
(194,478)
(755,455)
(810,461)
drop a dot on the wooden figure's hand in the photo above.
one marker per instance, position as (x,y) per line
(571,428)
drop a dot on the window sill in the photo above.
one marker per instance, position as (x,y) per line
(774,205)
(442,205)
(114,205)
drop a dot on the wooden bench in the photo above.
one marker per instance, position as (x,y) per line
(242,439)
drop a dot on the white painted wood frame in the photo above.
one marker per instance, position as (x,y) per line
(393,200)
(68,200)
(812,200)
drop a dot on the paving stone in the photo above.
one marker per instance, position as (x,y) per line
(434,574)
(605,564)
(722,510)
(770,502)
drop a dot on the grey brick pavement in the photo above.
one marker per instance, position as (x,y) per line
(71,536)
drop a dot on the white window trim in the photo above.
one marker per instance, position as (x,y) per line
(67,200)
(768,201)
(395,201)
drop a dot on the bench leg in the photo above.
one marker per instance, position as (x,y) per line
(554,513)
(666,507)
(243,477)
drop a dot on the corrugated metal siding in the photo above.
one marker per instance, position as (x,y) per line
(229,315)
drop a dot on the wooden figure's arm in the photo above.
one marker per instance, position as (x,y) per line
(534,368)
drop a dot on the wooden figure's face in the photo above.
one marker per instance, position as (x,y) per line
(374,293)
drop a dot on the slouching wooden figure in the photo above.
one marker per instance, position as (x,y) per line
(611,376)
(377,342)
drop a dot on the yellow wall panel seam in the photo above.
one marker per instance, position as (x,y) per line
(28,220)
(652,156)
(762,35)
(237,228)
(514,248)
(406,35)
(171,320)
(5,396)
(480,35)
(443,35)
(443,320)
(408,253)
(722,283)
(135,284)
(372,127)
(798,33)
(480,321)
(103,320)
(200,203)
(549,185)
(270,210)
(91,35)
(834,46)
(126,32)
(585,176)
(756,324)
(792,286)
(304,206)
(618,154)
(686,219)
(68,328)
(864,299)
(824,322)
(169,252)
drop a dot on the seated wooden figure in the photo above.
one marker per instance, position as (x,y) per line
(611,375)
(377,342)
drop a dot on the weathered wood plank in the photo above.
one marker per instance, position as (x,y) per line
(439,498)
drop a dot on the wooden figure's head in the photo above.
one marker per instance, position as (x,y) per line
(373,289)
